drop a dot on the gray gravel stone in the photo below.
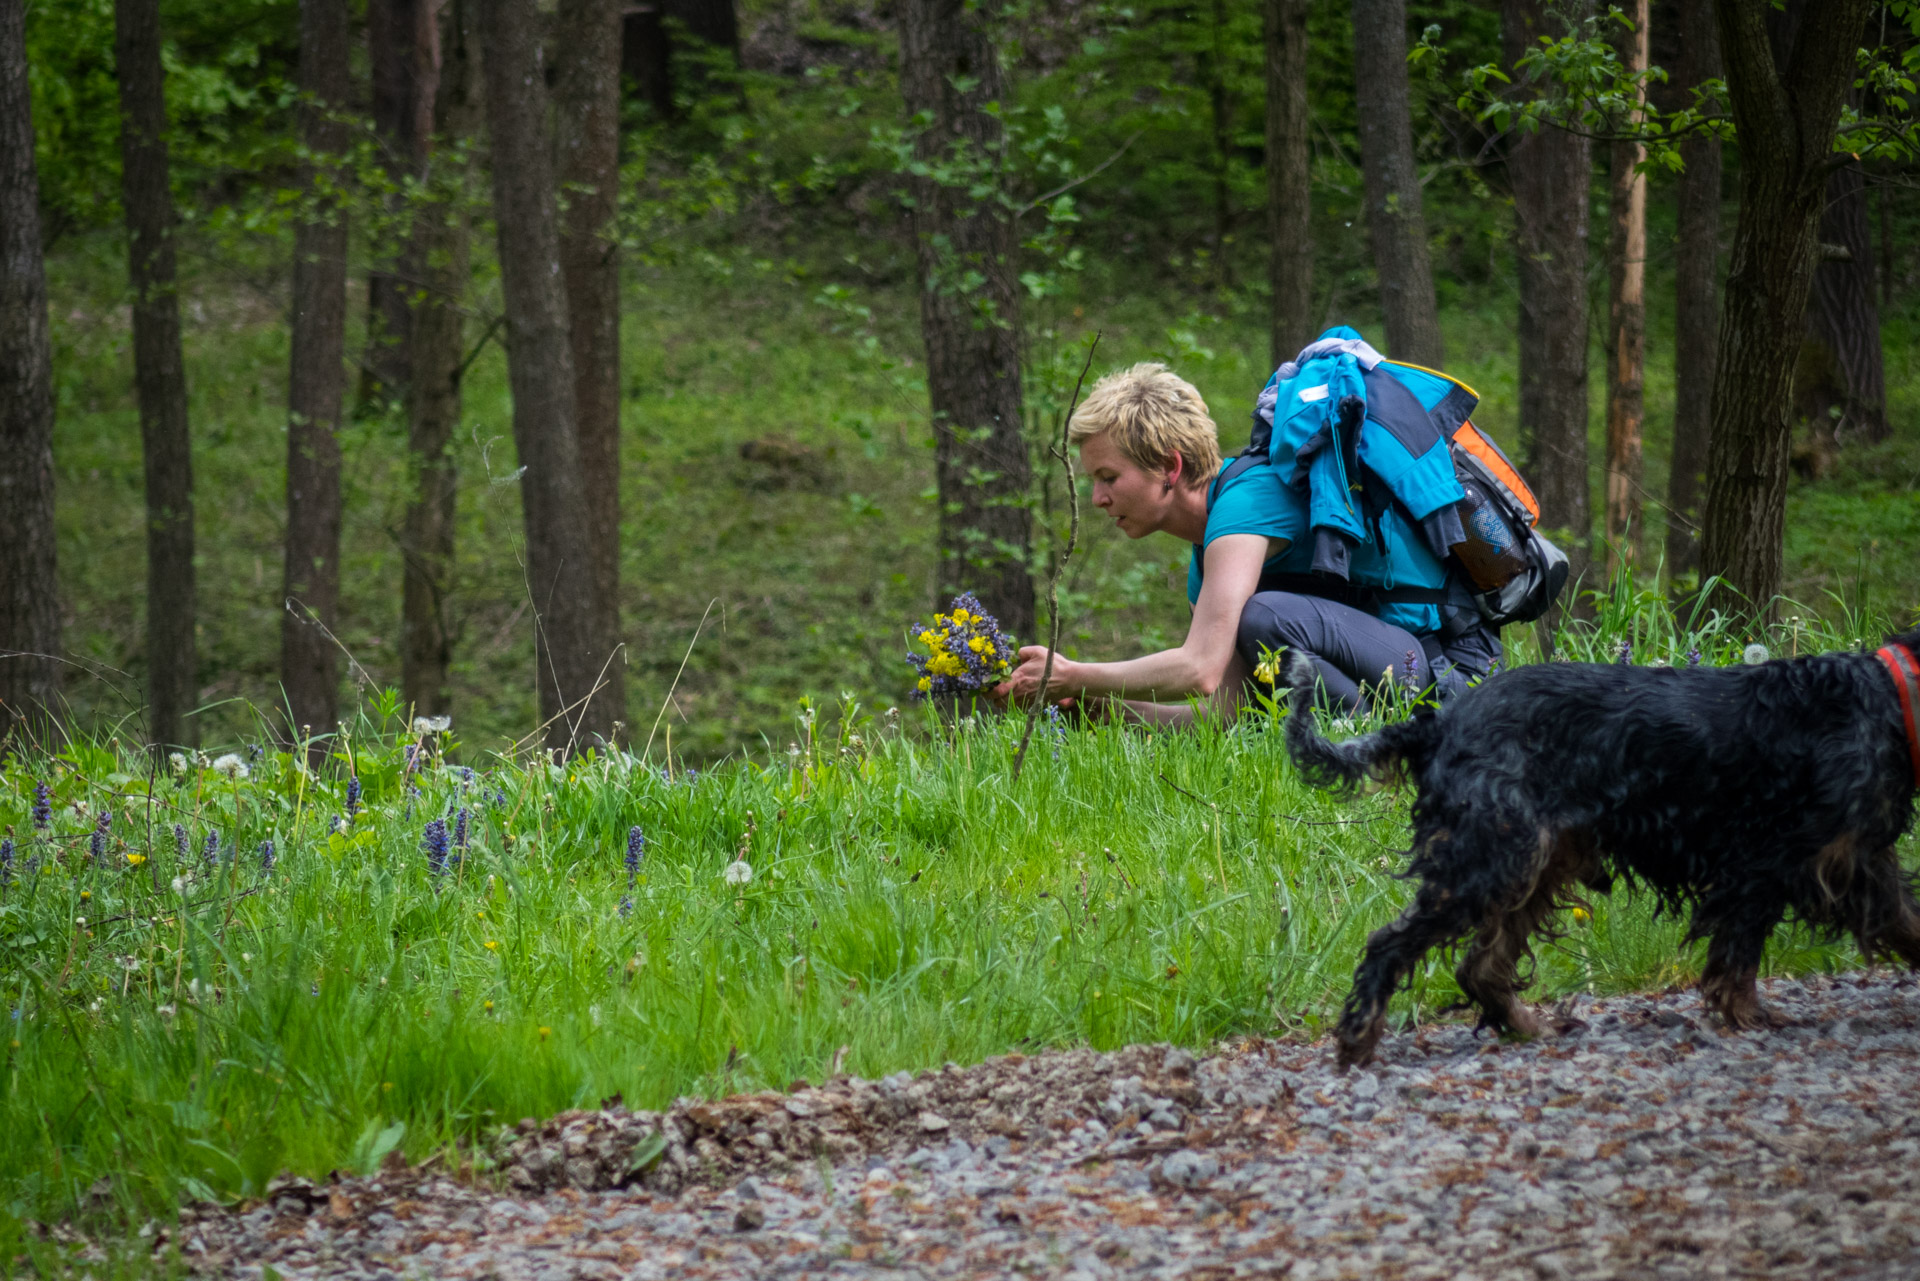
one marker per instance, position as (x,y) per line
(1651,1146)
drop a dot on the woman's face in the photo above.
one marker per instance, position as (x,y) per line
(1135,498)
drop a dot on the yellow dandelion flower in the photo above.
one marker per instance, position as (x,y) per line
(545,1032)
(493,945)
(135,860)
(385,1086)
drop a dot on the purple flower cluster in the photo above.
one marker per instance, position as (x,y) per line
(42,805)
(6,862)
(460,829)
(353,797)
(179,845)
(266,856)
(1693,657)
(98,845)
(1625,656)
(636,850)
(435,842)
(967,652)
(210,852)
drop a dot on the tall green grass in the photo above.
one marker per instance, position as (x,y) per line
(188,1027)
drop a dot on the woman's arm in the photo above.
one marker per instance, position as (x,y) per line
(1199,666)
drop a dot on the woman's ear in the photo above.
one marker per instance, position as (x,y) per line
(1176,470)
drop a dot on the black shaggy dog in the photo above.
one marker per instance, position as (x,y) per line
(1743,793)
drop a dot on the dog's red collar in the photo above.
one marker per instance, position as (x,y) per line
(1906,684)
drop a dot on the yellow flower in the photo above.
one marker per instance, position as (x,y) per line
(976,644)
(493,945)
(385,1086)
(489,1007)
(929,637)
(135,860)
(926,684)
(545,1032)
(1580,914)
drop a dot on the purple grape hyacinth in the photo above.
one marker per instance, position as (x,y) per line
(210,850)
(434,839)
(353,796)
(179,845)
(636,850)
(97,846)
(460,821)
(1625,656)
(42,805)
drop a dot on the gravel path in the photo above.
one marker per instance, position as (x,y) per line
(1640,1142)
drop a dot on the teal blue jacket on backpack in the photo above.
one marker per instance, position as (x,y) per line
(1366,441)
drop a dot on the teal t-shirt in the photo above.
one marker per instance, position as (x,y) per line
(1256,501)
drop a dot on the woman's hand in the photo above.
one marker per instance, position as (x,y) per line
(1023,686)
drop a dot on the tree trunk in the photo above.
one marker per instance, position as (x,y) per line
(1550,172)
(440,246)
(1786,112)
(29,591)
(159,374)
(1289,177)
(1396,226)
(308,664)
(570,654)
(1696,306)
(1626,317)
(401,49)
(950,72)
(587,98)
(1840,387)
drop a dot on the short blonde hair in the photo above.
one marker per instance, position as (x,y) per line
(1152,414)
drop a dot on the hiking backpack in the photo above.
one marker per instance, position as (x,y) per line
(1493,549)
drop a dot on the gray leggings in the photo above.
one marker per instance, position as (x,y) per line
(1352,648)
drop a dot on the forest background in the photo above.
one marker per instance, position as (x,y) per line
(781,485)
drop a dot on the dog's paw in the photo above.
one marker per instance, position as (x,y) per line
(1754,1016)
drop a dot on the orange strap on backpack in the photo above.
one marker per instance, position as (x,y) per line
(1906,685)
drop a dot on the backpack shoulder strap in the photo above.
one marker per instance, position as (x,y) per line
(1246,459)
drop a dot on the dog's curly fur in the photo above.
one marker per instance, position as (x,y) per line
(1742,794)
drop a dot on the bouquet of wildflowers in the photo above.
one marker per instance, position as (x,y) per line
(968,653)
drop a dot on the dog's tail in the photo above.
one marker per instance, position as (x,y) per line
(1344,766)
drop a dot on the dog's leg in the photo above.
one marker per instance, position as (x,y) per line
(1881,911)
(1489,974)
(1437,917)
(1739,931)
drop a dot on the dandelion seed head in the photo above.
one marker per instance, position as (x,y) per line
(232,766)
(1754,654)
(177,762)
(738,872)
(432,724)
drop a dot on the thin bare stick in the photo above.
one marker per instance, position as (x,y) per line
(676,677)
(1059,451)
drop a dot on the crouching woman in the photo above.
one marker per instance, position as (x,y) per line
(1152,452)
